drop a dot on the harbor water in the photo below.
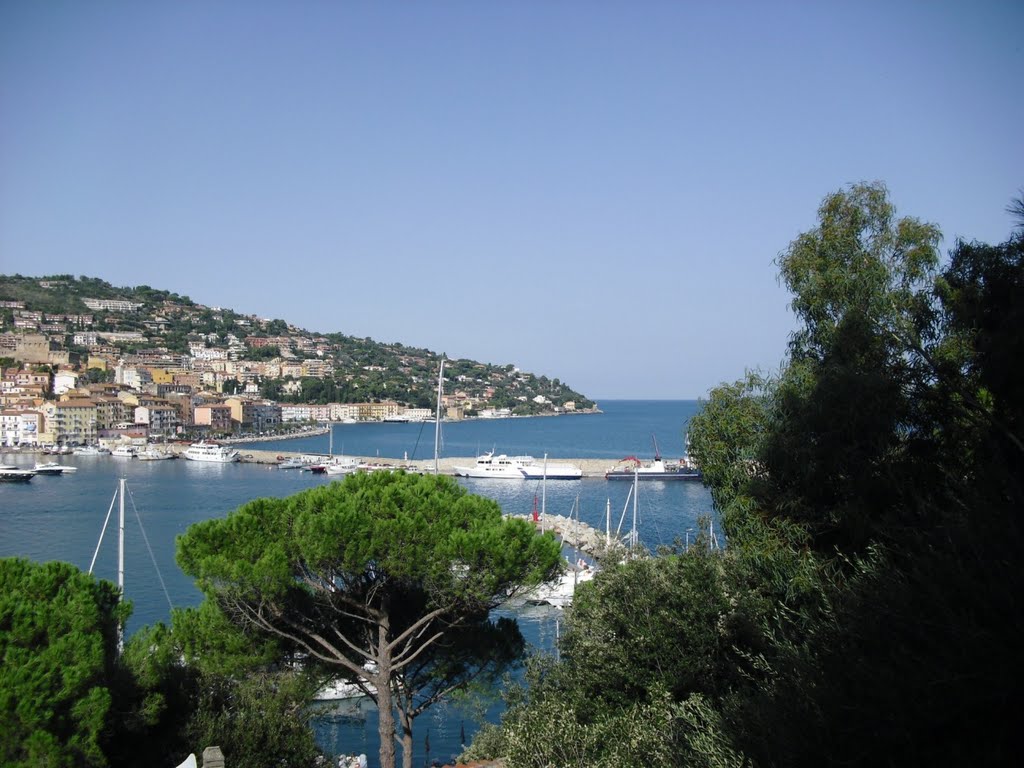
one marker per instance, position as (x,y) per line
(60,517)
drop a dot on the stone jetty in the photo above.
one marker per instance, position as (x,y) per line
(583,537)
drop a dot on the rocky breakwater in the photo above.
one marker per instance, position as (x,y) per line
(578,535)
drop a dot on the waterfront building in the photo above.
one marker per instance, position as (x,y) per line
(72,421)
(216,416)
(110,410)
(344,412)
(20,428)
(296,412)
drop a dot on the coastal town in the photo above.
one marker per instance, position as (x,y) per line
(144,365)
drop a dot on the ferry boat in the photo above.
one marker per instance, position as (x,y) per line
(658,469)
(211,452)
(632,468)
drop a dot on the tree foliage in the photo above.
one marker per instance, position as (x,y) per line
(58,643)
(868,602)
(383,568)
(620,694)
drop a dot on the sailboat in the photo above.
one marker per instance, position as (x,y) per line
(560,592)
(341,465)
(632,539)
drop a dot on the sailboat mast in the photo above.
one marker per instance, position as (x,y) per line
(437,416)
(544,487)
(636,482)
(120,561)
(120,540)
(575,544)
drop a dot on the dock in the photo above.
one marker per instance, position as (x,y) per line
(593,468)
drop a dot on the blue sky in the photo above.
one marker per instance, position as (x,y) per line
(591,191)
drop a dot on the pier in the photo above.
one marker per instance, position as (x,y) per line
(445,466)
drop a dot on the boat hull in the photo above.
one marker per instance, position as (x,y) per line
(557,472)
(502,467)
(12,474)
(685,474)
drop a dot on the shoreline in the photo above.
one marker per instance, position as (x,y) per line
(323,430)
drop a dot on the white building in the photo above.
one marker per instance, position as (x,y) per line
(20,427)
(135,378)
(63,381)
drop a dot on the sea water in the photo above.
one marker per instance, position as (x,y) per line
(61,517)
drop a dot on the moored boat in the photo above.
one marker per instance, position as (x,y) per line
(10,473)
(152,453)
(489,466)
(500,467)
(341,466)
(92,450)
(632,468)
(211,452)
(125,452)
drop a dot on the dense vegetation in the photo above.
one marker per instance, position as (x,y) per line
(867,607)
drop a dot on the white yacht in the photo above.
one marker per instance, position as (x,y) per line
(125,452)
(561,590)
(518,468)
(497,467)
(53,468)
(211,452)
(341,466)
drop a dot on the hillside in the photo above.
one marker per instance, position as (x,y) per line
(88,316)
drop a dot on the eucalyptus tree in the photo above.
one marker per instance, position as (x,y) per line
(385,578)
